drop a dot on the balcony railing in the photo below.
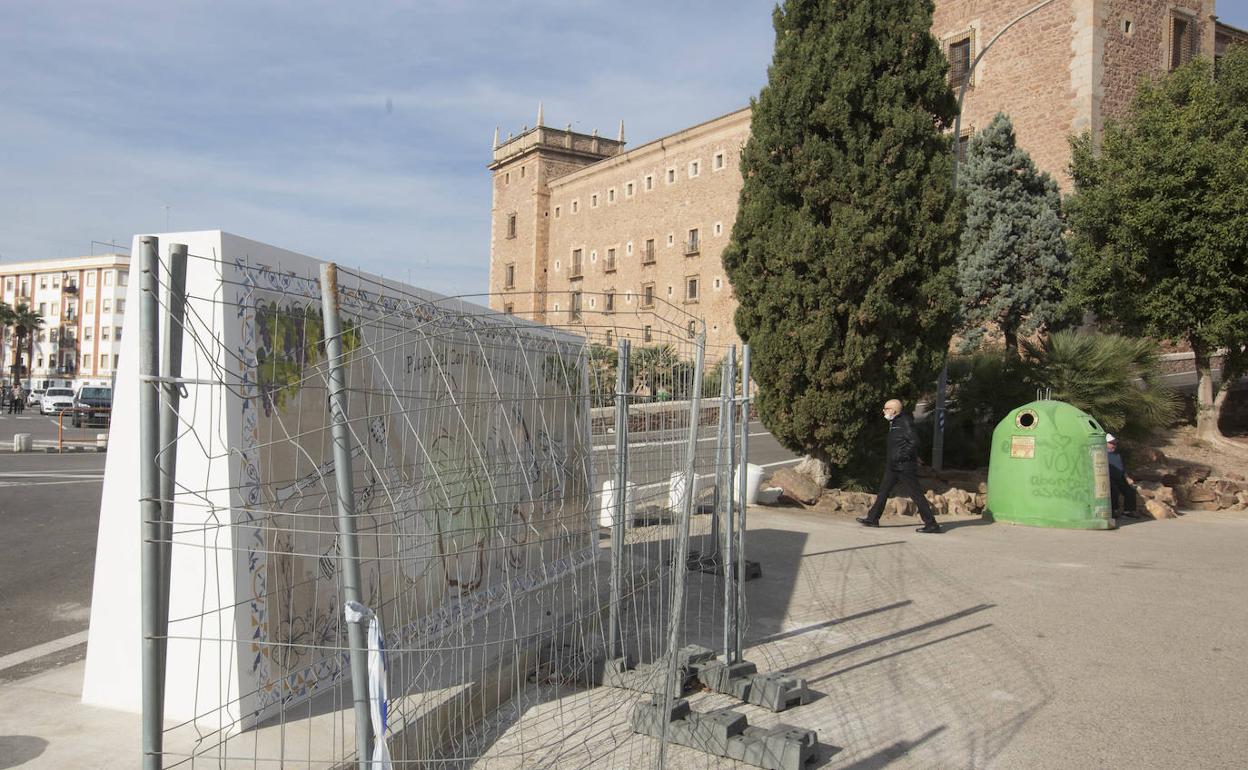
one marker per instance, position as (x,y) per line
(575,272)
(691,248)
(647,256)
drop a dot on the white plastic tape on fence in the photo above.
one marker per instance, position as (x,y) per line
(378,697)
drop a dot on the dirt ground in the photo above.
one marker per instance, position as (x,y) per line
(1182,444)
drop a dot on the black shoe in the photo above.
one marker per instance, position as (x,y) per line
(930,529)
(867,522)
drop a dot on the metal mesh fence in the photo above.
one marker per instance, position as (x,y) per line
(378,516)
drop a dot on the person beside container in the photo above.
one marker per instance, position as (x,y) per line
(1121,486)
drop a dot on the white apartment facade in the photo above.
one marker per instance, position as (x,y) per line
(82,301)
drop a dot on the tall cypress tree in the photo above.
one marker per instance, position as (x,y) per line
(843,252)
(1013,266)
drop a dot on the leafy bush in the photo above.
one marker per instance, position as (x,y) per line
(1115,379)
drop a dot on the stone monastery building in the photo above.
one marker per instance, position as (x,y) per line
(580,224)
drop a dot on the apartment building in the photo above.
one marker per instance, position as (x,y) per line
(82,301)
(579,223)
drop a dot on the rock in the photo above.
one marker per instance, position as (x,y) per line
(982,488)
(981,502)
(900,506)
(814,470)
(1147,456)
(1235,477)
(1224,486)
(1159,510)
(1153,490)
(1205,506)
(796,487)
(939,503)
(1226,500)
(1242,497)
(1192,474)
(1161,473)
(1196,493)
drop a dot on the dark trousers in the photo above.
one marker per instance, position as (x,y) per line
(1120,489)
(909,485)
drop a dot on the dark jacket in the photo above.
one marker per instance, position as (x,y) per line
(903,443)
(1117,470)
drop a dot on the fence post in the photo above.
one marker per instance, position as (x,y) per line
(742,481)
(730,587)
(615,642)
(171,371)
(149,502)
(680,555)
(336,360)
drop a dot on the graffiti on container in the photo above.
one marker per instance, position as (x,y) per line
(1062,468)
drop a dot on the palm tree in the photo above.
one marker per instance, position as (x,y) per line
(654,366)
(25,323)
(6,320)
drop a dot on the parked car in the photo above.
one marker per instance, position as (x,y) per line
(34,398)
(92,404)
(56,400)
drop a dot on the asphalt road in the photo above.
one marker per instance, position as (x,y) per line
(49,509)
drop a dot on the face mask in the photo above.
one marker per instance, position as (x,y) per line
(890,417)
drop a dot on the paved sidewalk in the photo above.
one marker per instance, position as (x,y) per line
(989,646)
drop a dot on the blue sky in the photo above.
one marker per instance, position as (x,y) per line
(350,131)
(357,132)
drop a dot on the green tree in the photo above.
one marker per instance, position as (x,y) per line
(1013,264)
(842,253)
(26,323)
(1160,220)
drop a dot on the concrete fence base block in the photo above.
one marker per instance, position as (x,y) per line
(726,733)
(23,442)
(776,691)
(650,677)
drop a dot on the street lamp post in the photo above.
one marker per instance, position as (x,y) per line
(938,435)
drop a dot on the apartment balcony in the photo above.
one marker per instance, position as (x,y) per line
(575,274)
(647,256)
(692,248)
(70,288)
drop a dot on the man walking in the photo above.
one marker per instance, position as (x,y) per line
(901,467)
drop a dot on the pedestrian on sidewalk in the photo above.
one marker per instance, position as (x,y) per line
(1122,500)
(17,399)
(901,467)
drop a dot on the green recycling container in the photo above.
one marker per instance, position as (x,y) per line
(1048,468)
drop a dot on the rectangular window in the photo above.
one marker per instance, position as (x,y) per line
(104,334)
(117,333)
(43,282)
(52,335)
(522,168)
(671,175)
(123,277)
(90,307)
(56,282)
(108,277)
(611,195)
(647,335)
(647,295)
(575,206)
(511,225)
(509,309)
(694,167)
(557,210)
(88,333)
(960,62)
(574,313)
(576,263)
(91,278)
(609,266)
(103,360)
(691,288)
(610,302)
(8,284)
(56,308)
(25,292)
(43,308)
(647,256)
(719,161)
(964,142)
(593,201)
(691,243)
(628,190)
(71,311)
(509,281)
(86,360)
(1184,44)
(121,306)
(649,181)
(106,306)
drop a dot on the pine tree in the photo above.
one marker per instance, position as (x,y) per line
(842,254)
(1013,264)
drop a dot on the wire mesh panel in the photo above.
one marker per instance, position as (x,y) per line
(490,461)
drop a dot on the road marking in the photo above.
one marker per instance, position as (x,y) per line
(55,474)
(40,650)
(47,483)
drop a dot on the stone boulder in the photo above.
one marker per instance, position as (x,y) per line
(1155,490)
(796,487)
(1190,494)
(1159,510)
(845,500)
(814,470)
(1187,475)
(901,506)
(1147,456)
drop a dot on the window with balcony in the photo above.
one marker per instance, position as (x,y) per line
(960,53)
(691,243)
